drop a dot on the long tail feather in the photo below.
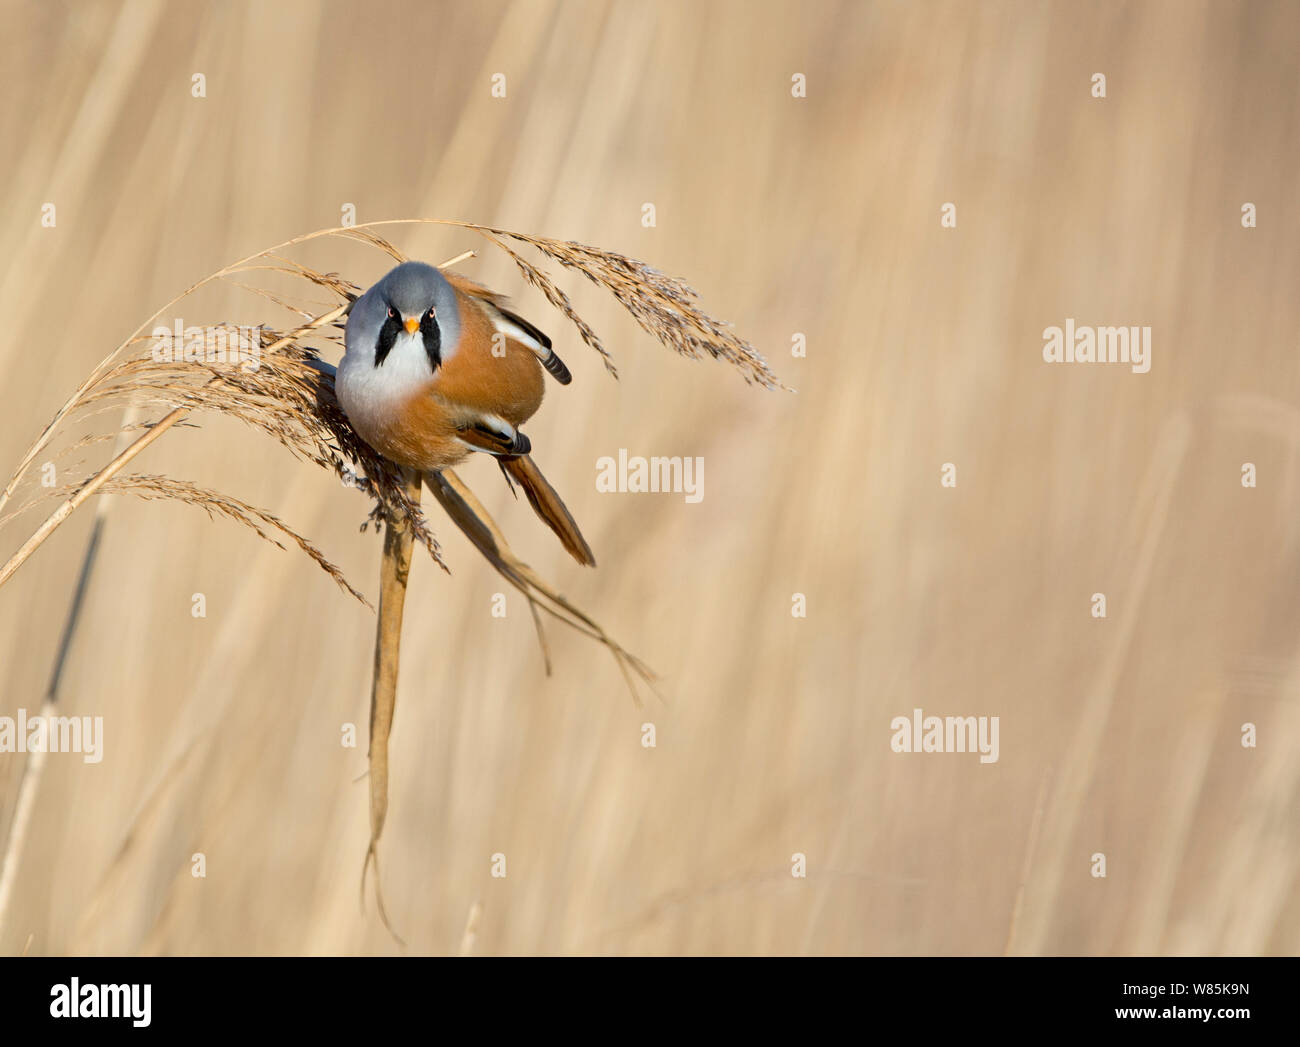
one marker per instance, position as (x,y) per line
(521,469)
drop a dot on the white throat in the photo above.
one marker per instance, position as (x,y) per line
(366,390)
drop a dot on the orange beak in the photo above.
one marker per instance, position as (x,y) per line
(412,324)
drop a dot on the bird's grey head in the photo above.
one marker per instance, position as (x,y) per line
(413,301)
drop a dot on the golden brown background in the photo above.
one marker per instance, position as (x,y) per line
(817,215)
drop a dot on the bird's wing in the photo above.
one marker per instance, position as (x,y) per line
(493,436)
(512,325)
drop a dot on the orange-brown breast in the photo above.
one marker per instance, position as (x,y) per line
(470,384)
(510,385)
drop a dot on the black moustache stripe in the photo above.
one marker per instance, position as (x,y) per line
(432,340)
(387,336)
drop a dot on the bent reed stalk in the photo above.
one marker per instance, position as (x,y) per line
(287,392)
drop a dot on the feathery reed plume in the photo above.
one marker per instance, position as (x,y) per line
(664,306)
(214,503)
(281,388)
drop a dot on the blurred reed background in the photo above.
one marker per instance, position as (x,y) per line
(820,216)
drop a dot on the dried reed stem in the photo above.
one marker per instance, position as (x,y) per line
(1031,845)
(468,513)
(291,398)
(1077,771)
(21,822)
(470,937)
(29,783)
(394,570)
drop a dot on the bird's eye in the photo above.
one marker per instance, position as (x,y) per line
(432,312)
(392,313)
